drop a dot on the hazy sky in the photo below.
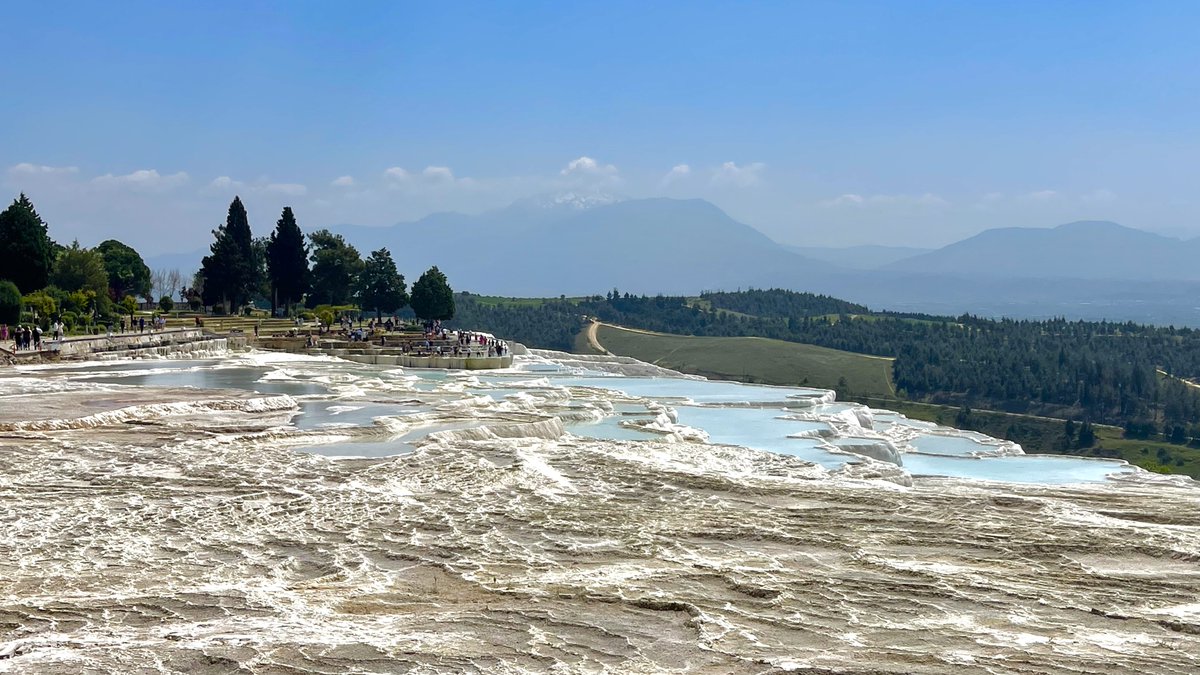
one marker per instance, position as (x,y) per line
(823,123)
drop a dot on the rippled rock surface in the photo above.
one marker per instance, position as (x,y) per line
(152,526)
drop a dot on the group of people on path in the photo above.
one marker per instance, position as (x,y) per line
(24,338)
(156,323)
(494,346)
(30,338)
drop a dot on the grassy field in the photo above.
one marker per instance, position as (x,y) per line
(499,301)
(754,360)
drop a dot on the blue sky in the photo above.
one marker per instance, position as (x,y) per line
(824,123)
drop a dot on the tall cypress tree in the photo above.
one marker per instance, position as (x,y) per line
(24,246)
(229,271)
(287,262)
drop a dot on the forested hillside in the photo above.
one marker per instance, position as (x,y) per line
(1116,373)
(780,303)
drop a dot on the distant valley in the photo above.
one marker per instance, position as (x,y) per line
(585,244)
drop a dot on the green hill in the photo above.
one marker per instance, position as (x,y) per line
(752,359)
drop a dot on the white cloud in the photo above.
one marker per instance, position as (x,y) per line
(396,174)
(851,199)
(27,169)
(844,200)
(143,179)
(588,167)
(289,189)
(677,172)
(439,174)
(431,176)
(731,174)
(1041,195)
(226,183)
(343,181)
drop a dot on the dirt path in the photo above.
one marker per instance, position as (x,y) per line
(593,342)
(1173,377)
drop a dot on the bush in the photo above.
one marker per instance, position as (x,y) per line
(166,304)
(69,319)
(78,301)
(42,304)
(10,302)
(129,305)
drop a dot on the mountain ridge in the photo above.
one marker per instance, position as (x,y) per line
(1086,249)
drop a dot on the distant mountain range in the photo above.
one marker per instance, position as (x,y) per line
(580,244)
(1080,250)
(549,247)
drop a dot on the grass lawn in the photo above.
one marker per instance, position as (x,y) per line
(1157,456)
(750,359)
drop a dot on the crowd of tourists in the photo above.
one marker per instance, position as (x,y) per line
(33,338)
(435,340)
(24,338)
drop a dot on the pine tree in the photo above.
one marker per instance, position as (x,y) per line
(230,273)
(25,246)
(287,262)
(432,297)
(380,286)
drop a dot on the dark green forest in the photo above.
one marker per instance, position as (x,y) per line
(1125,374)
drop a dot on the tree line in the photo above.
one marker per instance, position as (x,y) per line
(240,268)
(1126,374)
(42,281)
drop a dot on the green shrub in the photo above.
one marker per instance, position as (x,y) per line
(42,304)
(10,302)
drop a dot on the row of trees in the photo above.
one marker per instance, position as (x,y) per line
(42,280)
(72,282)
(240,269)
(1117,373)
